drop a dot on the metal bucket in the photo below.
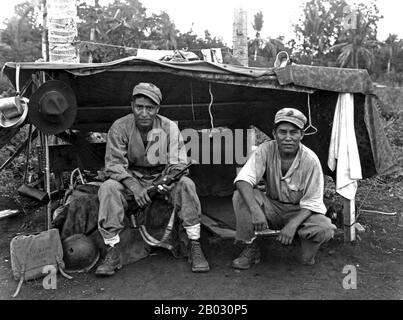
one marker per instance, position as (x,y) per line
(13,111)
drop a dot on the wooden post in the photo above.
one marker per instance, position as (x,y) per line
(47,182)
(92,38)
(349,220)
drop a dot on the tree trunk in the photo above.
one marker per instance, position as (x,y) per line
(62,15)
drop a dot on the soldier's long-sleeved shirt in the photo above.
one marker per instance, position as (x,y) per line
(126,156)
(302,185)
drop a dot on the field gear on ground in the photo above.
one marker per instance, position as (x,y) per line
(80,254)
(31,253)
(80,215)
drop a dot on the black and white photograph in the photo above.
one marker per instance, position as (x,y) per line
(201,157)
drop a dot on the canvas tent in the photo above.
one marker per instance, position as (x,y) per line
(198,94)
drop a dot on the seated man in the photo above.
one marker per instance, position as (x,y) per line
(136,155)
(293,202)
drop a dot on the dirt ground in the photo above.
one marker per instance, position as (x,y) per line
(377,255)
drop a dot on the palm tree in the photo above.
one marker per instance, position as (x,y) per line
(356,45)
(168,32)
(390,50)
(314,25)
(318,28)
(256,43)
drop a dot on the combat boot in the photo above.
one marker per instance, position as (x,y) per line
(249,256)
(111,262)
(196,257)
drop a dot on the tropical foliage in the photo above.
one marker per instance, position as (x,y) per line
(331,33)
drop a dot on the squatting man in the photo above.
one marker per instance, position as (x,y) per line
(293,202)
(131,170)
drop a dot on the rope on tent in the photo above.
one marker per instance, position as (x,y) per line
(209,110)
(315,130)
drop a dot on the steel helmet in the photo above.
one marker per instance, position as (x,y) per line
(80,253)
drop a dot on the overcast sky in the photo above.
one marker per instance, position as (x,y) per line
(217,15)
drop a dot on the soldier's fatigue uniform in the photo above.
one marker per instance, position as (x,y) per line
(127,157)
(301,187)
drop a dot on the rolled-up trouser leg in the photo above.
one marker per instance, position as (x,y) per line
(186,202)
(112,205)
(314,231)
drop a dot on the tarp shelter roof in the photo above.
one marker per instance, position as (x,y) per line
(239,96)
(289,77)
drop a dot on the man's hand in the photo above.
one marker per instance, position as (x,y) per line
(165,189)
(141,197)
(259,219)
(287,233)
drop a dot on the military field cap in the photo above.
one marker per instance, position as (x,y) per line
(291,115)
(149,90)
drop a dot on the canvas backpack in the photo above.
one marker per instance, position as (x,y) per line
(31,253)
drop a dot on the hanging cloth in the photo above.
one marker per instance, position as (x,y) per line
(206,55)
(343,149)
(217,55)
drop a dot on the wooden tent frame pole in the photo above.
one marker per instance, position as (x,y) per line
(349,220)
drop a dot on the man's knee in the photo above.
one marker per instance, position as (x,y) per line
(186,183)
(318,228)
(110,186)
(320,235)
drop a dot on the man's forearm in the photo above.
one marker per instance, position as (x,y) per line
(132,184)
(301,217)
